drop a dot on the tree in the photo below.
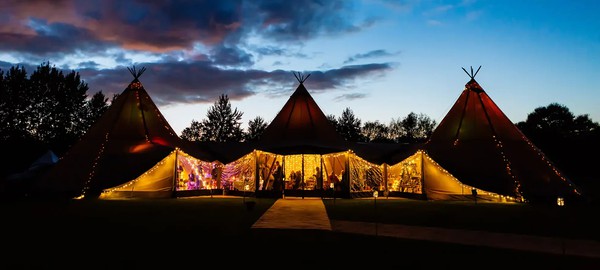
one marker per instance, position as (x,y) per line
(50,107)
(374,132)
(412,128)
(193,132)
(58,110)
(256,127)
(333,120)
(14,103)
(95,107)
(349,126)
(556,121)
(410,125)
(425,127)
(395,130)
(562,136)
(222,124)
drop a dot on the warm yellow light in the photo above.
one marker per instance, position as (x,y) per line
(560,201)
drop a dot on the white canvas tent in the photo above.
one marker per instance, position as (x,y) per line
(420,175)
(173,176)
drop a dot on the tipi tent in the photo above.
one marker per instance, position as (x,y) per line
(478,144)
(419,176)
(301,127)
(178,174)
(309,149)
(131,137)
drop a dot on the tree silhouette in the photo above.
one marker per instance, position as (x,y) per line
(349,126)
(565,138)
(333,120)
(374,131)
(222,124)
(256,127)
(50,106)
(193,132)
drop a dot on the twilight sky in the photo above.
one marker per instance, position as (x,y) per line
(381,58)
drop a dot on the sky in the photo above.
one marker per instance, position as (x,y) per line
(382,59)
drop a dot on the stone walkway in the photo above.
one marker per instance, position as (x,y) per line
(310,213)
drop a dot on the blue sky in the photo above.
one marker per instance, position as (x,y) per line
(382,59)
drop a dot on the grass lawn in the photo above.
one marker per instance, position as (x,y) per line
(568,221)
(215,232)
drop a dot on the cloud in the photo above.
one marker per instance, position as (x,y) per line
(348,97)
(88,64)
(290,21)
(41,28)
(438,10)
(200,82)
(194,51)
(231,56)
(51,40)
(371,54)
(473,15)
(434,22)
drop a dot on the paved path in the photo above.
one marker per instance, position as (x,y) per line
(295,213)
(310,213)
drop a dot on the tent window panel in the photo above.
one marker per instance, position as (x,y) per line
(240,174)
(293,172)
(313,175)
(406,176)
(365,176)
(333,167)
(193,174)
(266,163)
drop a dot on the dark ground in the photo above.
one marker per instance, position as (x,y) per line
(201,233)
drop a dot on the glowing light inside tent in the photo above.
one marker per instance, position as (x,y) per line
(560,201)
(140,147)
(160,141)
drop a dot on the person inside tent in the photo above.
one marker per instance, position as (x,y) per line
(333,179)
(319,178)
(191,184)
(277,179)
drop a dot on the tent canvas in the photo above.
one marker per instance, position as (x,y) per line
(301,127)
(479,145)
(177,172)
(420,175)
(128,139)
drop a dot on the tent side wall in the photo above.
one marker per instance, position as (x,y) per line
(439,184)
(154,183)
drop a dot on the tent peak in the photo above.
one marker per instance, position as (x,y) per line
(472,75)
(136,73)
(301,78)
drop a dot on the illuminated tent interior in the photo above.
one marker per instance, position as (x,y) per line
(478,144)
(304,174)
(420,176)
(177,175)
(131,137)
(306,145)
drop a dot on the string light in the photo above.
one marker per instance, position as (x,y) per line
(86,185)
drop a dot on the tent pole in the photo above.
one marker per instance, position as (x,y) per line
(303,183)
(322,176)
(175,174)
(256,172)
(385,180)
(423,176)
